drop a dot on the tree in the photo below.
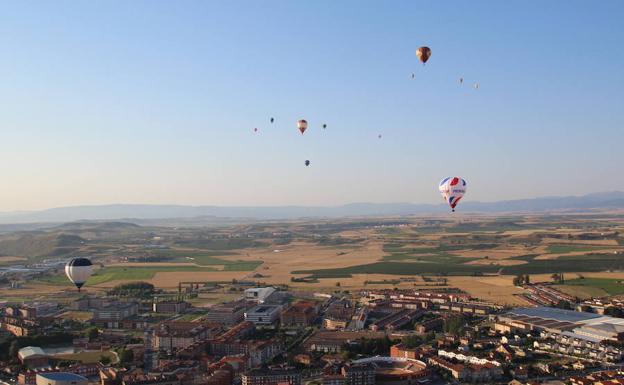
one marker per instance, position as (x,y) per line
(92,333)
(430,336)
(133,289)
(13,349)
(614,311)
(411,341)
(563,304)
(126,356)
(454,325)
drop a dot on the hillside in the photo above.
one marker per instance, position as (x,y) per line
(40,244)
(223,215)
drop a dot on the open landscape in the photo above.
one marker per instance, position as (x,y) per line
(293,192)
(479,254)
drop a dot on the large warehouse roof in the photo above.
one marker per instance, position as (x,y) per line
(555,314)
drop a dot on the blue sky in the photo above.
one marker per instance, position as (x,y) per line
(155,102)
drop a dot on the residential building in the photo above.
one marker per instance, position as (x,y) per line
(175,335)
(401,351)
(359,374)
(263,315)
(112,315)
(299,314)
(228,314)
(271,377)
(176,307)
(430,325)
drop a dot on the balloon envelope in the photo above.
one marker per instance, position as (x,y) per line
(452,190)
(78,270)
(302,125)
(423,53)
(307,162)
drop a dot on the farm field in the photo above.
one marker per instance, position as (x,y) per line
(594,286)
(478,254)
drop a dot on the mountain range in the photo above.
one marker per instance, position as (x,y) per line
(223,214)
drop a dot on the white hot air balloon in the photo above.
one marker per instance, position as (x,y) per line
(302,125)
(78,270)
(452,190)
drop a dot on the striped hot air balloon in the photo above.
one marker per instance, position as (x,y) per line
(452,190)
(78,270)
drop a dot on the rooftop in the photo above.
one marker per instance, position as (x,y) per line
(554,314)
(62,376)
(30,351)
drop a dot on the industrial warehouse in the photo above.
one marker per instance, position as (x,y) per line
(567,331)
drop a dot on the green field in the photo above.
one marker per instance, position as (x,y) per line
(209,258)
(565,249)
(129,273)
(452,265)
(219,244)
(610,286)
(402,268)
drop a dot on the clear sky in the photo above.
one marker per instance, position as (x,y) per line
(156,101)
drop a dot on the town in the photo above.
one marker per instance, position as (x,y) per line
(272,335)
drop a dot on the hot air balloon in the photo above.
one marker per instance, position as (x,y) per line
(413,76)
(256,129)
(302,125)
(461,80)
(307,163)
(452,190)
(476,86)
(379,136)
(78,270)
(272,120)
(423,53)
(324,126)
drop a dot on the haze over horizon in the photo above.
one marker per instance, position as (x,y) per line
(156,102)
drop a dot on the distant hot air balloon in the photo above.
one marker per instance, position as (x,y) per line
(476,86)
(307,163)
(302,125)
(452,190)
(423,53)
(272,120)
(413,75)
(324,126)
(379,136)
(461,80)
(78,270)
(256,129)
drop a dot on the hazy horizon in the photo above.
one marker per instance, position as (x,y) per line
(156,102)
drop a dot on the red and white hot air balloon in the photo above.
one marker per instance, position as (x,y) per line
(452,190)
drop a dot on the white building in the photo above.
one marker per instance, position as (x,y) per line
(259,294)
(263,315)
